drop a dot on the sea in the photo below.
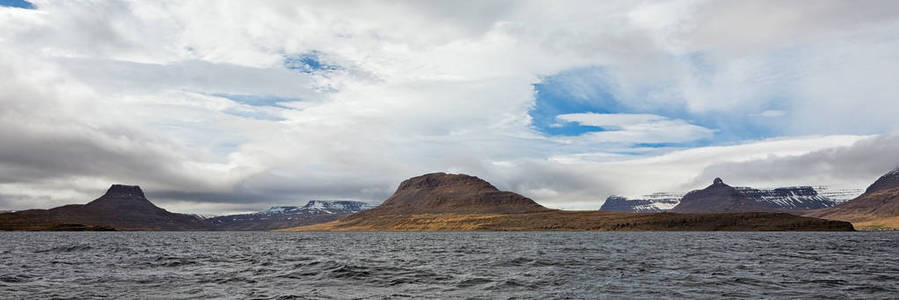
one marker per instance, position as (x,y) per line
(448,265)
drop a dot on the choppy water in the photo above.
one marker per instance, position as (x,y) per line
(448,265)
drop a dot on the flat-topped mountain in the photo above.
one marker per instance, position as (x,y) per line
(877,207)
(277,217)
(452,193)
(458,202)
(720,197)
(122,207)
(652,203)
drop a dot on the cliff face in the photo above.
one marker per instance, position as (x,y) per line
(451,193)
(122,207)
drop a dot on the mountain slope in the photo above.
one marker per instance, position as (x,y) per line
(122,207)
(315,211)
(879,202)
(450,202)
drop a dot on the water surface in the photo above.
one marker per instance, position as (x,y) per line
(264,265)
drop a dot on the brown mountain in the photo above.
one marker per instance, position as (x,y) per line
(877,207)
(457,202)
(121,208)
(452,193)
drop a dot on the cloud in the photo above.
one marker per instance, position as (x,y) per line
(185,98)
(638,128)
(856,165)
(770,114)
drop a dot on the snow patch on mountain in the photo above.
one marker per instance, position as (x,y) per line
(655,202)
(318,206)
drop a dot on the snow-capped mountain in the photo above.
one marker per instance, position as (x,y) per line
(277,217)
(796,197)
(318,206)
(776,199)
(655,202)
(720,197)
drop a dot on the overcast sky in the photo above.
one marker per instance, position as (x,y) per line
(232,106)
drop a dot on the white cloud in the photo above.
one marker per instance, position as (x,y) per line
(638,128)
(770,114)
(93,93)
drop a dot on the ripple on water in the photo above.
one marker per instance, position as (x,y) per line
(447,265)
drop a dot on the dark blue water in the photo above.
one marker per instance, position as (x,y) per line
(496,265)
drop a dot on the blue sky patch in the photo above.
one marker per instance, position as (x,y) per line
(595,90)
(254,114)
(257,100)
(309,62)
(17,3)
(575,91)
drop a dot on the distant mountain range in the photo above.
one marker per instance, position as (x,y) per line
(458,202)
(316,211)
(441,201)
(785,199)
(125,207)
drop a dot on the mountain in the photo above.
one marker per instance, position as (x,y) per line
(786,199)
(458,202)
(277,217)
(877,207)
(720,197)
(652,203)
(123,207)
(452,193)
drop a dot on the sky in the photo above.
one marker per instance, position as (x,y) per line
(216,107)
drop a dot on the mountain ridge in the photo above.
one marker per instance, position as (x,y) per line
(459,202)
